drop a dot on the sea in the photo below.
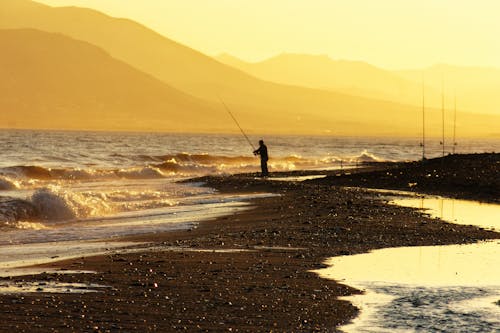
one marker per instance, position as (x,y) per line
(118,184)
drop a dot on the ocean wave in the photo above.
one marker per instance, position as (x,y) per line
(170,165)
(8,184)
(144,205)
(26,171)
(365,156)
(182,164)
(206,159)
(129,200)
(13,210)
(173,167)
(79,174)
(148,158)
(55,204)
(24,225)
(131,195)
(140,173)
(206,163)
(196,164)
(41,173)
(38,172)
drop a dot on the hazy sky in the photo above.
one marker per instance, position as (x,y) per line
(388,33)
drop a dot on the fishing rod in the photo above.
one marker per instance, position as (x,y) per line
(442,111)
(423,118)
(238,124)
(455,125)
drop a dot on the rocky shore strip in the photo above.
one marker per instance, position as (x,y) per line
(250,272)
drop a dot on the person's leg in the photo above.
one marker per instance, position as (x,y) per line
(263,166)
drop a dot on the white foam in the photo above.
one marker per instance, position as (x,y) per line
(8,184)
(365,156)
(50,287)
(141,173)
(54,203)
(27,225)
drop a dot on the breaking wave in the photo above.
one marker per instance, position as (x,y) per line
(8,184)
(26,225)
(365,156)
(42,173)
(189,164)
(55,204)
(138,200)
(182,164)
(13,210)
(140,173)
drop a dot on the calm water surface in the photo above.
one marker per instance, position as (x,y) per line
(428,289)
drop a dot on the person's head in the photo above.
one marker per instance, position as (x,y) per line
(261,142)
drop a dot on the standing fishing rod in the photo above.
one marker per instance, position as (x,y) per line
(442,111)
(455,125)
(423,118)
(237,124)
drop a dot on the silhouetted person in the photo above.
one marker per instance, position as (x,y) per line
(262,151)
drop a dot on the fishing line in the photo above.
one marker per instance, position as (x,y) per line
(237,124)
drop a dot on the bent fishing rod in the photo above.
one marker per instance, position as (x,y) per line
(237,124)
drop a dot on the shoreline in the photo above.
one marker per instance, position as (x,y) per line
(267,287)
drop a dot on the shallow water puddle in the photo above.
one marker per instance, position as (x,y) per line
(50,287)
(457,211)
(24,255)
(156,248)
(451,265)
(435,288)
(452,288)
(296,178)
(23,271)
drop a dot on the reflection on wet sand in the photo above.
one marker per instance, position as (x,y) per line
(423,288)
(457,211)
(434,288)
(50,287)
(451,265)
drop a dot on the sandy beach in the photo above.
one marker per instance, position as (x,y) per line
(250,272)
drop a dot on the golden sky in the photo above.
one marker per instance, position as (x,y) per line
(393,34)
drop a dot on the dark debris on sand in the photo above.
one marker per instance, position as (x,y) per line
(467,176)
(268,287)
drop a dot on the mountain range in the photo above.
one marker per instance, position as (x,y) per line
(76,68)
(475,87)
(42,85)
(321,72)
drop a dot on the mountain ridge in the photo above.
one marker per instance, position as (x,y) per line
(355,78)
(73,82)
(476,85)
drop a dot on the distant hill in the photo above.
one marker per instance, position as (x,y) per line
(261,106)
(477,88)
(321,72)
(49,80)
(52,81)
(126,40)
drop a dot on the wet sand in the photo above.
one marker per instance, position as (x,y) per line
(268,286)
